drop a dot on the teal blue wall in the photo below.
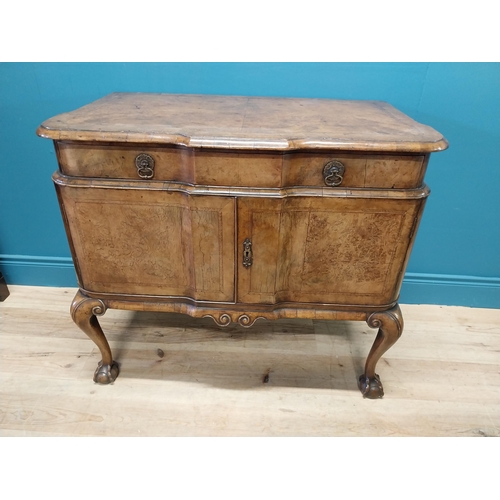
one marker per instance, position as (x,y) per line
(456,258)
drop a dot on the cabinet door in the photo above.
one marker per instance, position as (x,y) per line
(135,241)
(324,250)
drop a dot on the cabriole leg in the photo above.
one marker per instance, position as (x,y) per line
(84,311)
(390,325)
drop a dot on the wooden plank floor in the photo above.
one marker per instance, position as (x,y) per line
(187,377)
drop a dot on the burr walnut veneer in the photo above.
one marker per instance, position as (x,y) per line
(240,209)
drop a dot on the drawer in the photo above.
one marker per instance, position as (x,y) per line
(354,170)
(239,168)
(117,161)
(170,163)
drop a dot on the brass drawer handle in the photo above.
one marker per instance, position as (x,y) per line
(333,173)
(247,253)
(145,166)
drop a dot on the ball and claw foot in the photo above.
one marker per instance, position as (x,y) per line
(371,388)
(390,327)
(106,374)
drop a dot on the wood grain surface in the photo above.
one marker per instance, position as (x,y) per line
(324,250)
(239,168)
(233,122)
(187,377)
(136,242)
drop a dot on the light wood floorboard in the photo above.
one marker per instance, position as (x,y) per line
(442,378)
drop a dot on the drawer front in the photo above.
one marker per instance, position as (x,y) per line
(354,170)
(116,161)
(240,169)
(169,163)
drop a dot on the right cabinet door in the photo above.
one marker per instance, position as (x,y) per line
(324,250)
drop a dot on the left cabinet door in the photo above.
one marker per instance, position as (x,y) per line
(134,241)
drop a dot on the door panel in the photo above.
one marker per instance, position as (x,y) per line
(259,220)
(135,241)
(324,250)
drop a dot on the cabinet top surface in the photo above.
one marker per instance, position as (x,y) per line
(235,122)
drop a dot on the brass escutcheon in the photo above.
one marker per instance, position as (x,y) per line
(247,253)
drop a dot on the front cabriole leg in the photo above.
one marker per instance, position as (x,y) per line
(390,324)
(83,311)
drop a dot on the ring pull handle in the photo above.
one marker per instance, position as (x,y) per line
(333,173)
(145,165)
(247,253)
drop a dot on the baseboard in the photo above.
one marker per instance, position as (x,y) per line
(450,290)
(418,288)
(38,271)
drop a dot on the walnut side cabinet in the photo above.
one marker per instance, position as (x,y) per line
(241,209)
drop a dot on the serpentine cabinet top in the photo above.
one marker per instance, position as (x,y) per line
(234,122)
